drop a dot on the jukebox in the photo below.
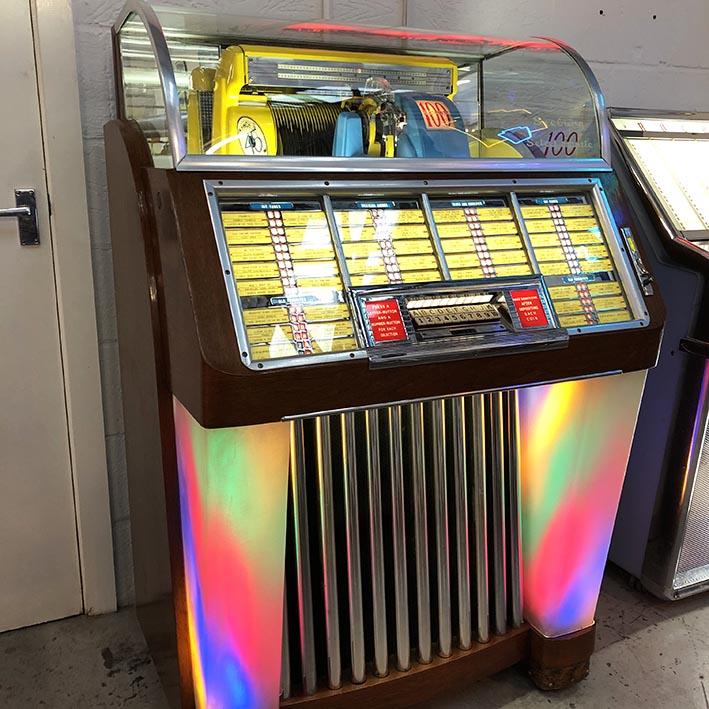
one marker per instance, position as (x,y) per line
(383,341)
(662,531)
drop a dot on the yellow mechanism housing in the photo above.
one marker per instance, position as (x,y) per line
(258,95)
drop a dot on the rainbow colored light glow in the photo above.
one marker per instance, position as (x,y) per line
(575,444)
(233,496)
(419,35)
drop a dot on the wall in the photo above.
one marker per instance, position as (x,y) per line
(643,57)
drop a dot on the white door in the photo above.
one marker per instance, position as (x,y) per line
(39,561)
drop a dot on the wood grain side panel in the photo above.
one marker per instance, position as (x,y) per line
(147,399)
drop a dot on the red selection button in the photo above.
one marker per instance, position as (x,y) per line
(529,308)
(385,320)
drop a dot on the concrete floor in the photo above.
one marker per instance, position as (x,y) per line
(649,654)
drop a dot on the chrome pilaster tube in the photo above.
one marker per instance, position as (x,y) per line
(514,515)
(354,563)
(498,511)
(477,458)
(456,428)
(301,534)
(418,478)
(327,550)
(398,536)
(437,441)
(376,542)
(285,653)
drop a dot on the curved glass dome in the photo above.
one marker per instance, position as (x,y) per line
(218,92)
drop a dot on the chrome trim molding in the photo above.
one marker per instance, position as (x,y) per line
(621,258)
(455,421)
(496,475)
(171,97)
(376,542)
(475,422)
(398,517)
(354,564)
(417,462)
(436,435)
(695,234)
(514,517)
(272,188)
(526,239)
(618,112)
(216,189)
(236,163)
(285,643)
(235,305)
(301,536)
(327,550)
(435,237)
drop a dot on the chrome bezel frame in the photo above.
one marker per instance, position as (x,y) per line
(685,238)
(550,336)
(204,163)
(216,189)
(690,581)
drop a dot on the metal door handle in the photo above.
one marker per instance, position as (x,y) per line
(16,212)
(25,211)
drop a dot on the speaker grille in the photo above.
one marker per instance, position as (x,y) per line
(403,538)
(693,562)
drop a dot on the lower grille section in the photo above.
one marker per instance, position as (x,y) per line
(403,538)
(693,562)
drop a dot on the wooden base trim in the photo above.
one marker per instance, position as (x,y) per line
(557,663)
(422,682)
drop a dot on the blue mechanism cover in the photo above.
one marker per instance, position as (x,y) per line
(348,141)
(434,128)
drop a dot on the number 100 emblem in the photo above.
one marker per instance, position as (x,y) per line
(435,115)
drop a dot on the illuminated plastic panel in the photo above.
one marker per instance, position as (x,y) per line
(480,238)
(576,439)
(287,279)
(677,171)
(674,165)
(386,242)
(233,495)
(290,262)
(574,258)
